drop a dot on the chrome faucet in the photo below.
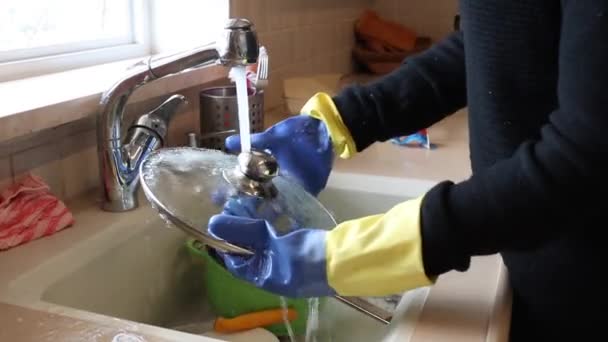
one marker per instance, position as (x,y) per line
(119,159)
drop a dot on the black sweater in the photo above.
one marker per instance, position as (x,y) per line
(533,75)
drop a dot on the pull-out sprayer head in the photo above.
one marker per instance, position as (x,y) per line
(239,44)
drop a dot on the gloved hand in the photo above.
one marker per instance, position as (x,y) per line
(305,145)
(372,256)
(241,204)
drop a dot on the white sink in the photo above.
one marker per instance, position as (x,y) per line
(138,270)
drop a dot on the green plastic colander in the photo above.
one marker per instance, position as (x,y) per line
(230,297)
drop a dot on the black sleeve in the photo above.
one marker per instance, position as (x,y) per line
(548,183)
(423,90)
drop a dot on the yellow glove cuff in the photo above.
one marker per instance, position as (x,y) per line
(322,107)
(377,255)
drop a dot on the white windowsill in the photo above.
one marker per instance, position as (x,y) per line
(34,104)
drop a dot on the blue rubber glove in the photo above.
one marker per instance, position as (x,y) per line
(302,146)
(374,255)
(292,265)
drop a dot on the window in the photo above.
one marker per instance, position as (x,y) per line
(39,37)
(34,31)
(185,24)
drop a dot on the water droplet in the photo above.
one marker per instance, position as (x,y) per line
(285,308)
(312,326)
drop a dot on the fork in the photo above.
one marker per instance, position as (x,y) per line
(263,69)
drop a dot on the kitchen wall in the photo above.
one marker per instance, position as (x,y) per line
(430,18)
(302,37)
(66,156)
(316,36)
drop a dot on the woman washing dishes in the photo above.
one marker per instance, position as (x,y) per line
(533,75)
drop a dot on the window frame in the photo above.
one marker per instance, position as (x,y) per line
(45,60)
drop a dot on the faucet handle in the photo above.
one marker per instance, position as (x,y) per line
(149,132)
(158,119)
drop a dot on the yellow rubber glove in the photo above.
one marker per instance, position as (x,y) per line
(377,255)
(322,107)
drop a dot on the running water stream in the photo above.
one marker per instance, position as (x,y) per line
(239,76)
(292,336)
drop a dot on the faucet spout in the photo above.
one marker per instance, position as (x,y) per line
(167,65)
(118,159)
(117,182)
(238,46)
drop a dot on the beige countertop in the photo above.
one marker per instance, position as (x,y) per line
(467,306)
(449,160)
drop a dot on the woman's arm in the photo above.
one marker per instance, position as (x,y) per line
(549,182)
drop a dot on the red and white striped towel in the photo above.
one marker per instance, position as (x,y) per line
(29,211)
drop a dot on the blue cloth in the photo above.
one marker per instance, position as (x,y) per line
(292,265)
(302,146)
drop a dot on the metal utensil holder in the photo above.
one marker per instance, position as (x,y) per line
(219,115)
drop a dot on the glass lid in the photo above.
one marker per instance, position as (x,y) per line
(189,185)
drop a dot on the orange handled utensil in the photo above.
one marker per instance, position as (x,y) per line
(258,319)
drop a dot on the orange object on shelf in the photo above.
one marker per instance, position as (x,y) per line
(382,62)
(393,35)
(374,45)
(253,320)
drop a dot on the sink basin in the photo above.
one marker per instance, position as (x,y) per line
(137,269)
